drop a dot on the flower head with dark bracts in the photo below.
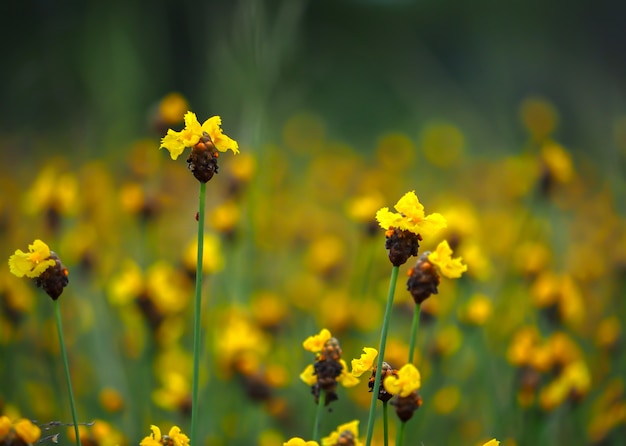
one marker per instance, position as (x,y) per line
(405,384)
(406,228)
(423,277)
(204,140)
(42,265)
(329,369)
(387,371)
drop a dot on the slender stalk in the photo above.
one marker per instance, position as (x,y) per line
(385,423)
(400,436)
(318,416)
(196,316)
(414,326)
(381,352)
(57,311)
(413,341)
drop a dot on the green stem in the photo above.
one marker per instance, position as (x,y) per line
(385,423)
(381,352)
(318,417)
(400,437)
(196,315)
(57,310)
(414,326)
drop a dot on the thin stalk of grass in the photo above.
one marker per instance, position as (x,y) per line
(381,352)
(57,311)
(196,315)
(413,341)
(400,436)
(318,417)
(414,326)
(385,423)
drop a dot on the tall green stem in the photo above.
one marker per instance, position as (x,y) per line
(381,352)
(385,423)
(414,326)
(57,311)
(413,341)
(196,316)
(318,416)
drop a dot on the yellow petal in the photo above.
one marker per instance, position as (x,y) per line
(212,126)
(172,142)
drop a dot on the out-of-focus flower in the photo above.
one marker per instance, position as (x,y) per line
(347,433)
(297,441)
(177,142)
(478,310)
(365,362)
(443,144)
(557,162)
(22,432)
(407,380)
(172,107)
(410,217)
(442,258)
(175,437)
(539,117)
(446,400)
(492,442)
(28,432)
(111,399)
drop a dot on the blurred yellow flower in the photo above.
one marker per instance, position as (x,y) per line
(28,432)
(407,381)
(446,400)
(492,442)
(5,425)
(175,437)
(33,263)
(308,376)
(342,433)
(478,310)
(176,142)
(558,162)
(297,441)
(365,362)
(346,379)
(172,107)
(410,217)
(316,342)
(442,258)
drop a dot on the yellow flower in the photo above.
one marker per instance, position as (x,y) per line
(31,264)
(297,441)
(175,435)
(411,217)
(346,379)
(449,267)
(350,429)
(308,375)
(5,425)
(492,442)
(406,382)
(365,362)
(316,342)
(27,431)
(176,142)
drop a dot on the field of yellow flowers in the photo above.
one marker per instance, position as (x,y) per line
(220,278)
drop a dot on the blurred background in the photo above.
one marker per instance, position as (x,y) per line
(509,118)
